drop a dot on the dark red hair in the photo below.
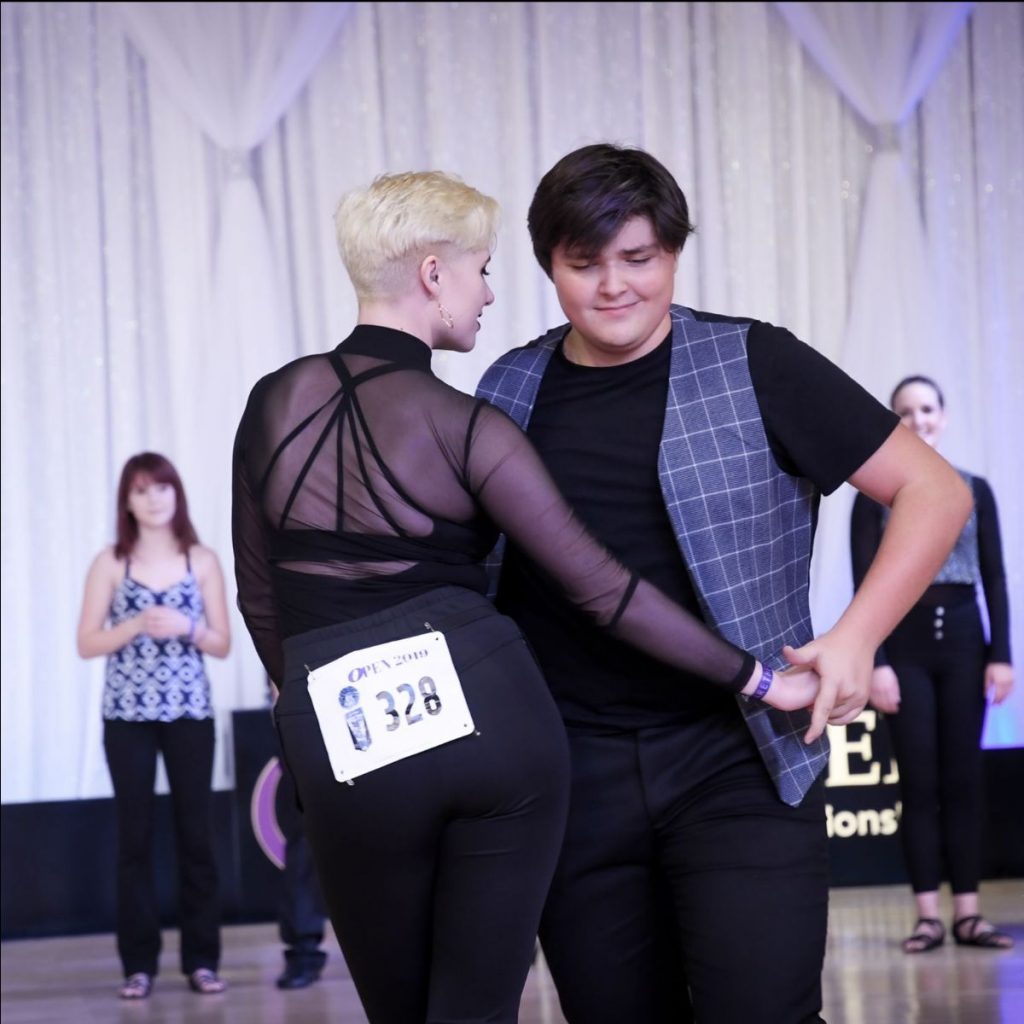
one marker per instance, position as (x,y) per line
(160,470)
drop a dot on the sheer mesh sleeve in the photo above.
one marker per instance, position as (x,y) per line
(513,486)
(252,566)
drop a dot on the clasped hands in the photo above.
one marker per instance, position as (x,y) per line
(163,623)
(829,676)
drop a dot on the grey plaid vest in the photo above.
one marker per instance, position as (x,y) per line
(743,526)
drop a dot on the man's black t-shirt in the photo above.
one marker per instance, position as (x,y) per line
(598,430)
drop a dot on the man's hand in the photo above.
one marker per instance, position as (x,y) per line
(845,671)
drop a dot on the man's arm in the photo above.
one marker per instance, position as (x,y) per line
(930,504)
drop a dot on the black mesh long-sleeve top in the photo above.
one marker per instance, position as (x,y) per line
(361,480)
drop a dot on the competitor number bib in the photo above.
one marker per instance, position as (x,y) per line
(381,704)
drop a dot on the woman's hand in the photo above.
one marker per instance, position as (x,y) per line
(885,690)
(793,689)
(163,623)
(998,681)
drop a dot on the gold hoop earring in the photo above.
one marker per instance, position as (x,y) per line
(446,318)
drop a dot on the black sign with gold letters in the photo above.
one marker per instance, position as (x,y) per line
(862,804)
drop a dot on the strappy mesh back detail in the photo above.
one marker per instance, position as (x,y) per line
(342,475)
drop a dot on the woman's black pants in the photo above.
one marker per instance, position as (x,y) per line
(187,748)
(938,654)
(435,868)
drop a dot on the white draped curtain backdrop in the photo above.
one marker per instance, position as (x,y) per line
(170,172)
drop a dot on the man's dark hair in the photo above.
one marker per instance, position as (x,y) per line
(589,194)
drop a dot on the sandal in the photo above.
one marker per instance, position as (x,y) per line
(136,986)
(205,982)
(929,933)
(976,931)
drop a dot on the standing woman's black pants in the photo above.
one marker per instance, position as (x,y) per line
(187,747)
(434,869)
(938,654)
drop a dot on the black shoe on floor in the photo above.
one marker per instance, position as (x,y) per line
(298,976)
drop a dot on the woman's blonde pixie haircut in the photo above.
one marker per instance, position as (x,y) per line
(385,229)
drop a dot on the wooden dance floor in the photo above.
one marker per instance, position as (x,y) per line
(867,979)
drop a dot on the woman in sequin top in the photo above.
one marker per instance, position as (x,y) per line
(932,677)
(154,605)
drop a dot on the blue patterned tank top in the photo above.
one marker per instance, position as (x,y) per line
(151,680)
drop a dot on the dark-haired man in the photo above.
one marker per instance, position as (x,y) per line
(693,879)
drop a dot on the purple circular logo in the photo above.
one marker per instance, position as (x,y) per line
(263,813)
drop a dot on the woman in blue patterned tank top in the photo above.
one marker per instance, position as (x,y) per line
(154,604)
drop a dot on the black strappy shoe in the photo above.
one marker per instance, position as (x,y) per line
(976,931)
(929,933)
